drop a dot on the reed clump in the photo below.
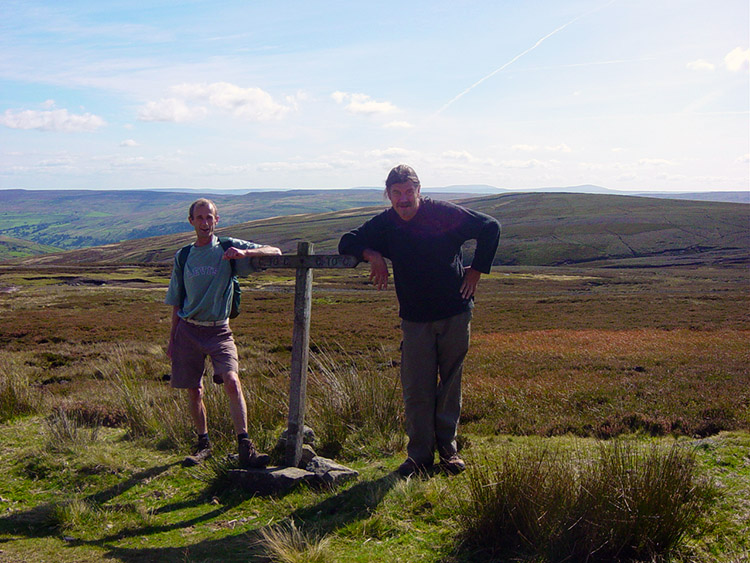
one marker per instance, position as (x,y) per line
(356,407)
(621,501)
(17,396)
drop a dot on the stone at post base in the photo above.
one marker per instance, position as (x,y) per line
(308,454)
(308,437)
(330,473)
(319,472)
(270,481)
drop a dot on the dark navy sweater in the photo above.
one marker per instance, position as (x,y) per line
(426,254)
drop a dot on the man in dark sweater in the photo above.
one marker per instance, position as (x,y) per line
(422,238)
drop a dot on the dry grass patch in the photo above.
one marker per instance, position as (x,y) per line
(603,383)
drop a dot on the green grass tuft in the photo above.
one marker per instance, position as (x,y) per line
(624,501)
(356,408)
(17,396)
(286,543)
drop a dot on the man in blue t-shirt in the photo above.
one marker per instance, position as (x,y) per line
(200,292)
(422,238)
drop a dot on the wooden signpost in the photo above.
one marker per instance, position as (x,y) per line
(304,262)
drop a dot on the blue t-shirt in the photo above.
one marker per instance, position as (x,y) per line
(206,281)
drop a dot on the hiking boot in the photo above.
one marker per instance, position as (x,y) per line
(452,464)
(249,456)
(201,452)
(410,467)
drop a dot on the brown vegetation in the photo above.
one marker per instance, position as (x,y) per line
(592,352)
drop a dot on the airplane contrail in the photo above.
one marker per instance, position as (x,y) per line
(514,59)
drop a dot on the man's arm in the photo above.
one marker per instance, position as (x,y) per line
(486,231)
(233,253)
(487,236)
(367,243)
(471,280)
(378,268)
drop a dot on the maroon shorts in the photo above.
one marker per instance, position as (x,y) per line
(192,344)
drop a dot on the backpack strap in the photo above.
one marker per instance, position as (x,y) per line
(226,244)
(234,282)
(181,260)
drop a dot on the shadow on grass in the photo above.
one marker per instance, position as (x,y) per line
(36,522)
(355,503)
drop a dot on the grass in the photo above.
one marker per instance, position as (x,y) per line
(624,501)
(285,543)
(655,361)
(358,409)
(17,397)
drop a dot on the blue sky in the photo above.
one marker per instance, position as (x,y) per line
(639,95)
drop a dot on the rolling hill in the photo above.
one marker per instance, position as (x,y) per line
(17,248)
(71,219)
(538,229)
(68,220)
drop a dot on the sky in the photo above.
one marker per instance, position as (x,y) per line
(638,95)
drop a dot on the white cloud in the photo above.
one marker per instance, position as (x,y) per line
(559,148)
(170,109)
(463,156)
(551,148)
(392,153)
(362,103)
(252,103)
(339,97)
(398,125)
(292,166)
(655,162)
(51,120)
(135,162)
(249,103)
(523,164)
(467,158)
(700,64)
(129,143)
(63,162)
(738,59)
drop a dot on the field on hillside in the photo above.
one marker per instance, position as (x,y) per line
(558,354)
(539,229)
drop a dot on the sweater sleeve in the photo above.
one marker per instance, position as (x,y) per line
(368,235)
(486,231)
(244,266)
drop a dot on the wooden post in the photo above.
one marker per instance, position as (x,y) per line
(303,262)
(300,355)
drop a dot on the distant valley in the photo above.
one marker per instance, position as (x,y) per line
(539,229)
(41,221)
